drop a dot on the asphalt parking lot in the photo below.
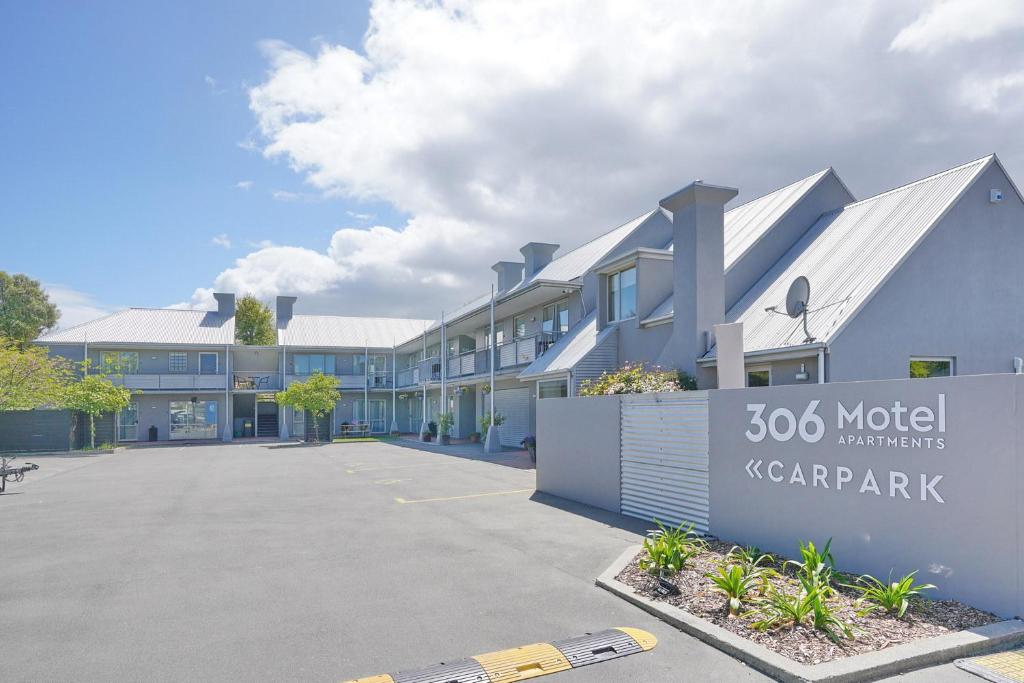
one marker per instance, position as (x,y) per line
(288,563)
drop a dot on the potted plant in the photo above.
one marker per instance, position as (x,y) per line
(474,437)
(530,444)
(444,425)
(432,429)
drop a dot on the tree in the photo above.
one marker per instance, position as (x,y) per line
(254,324)
(317,395)
(94,395)
(637,378)
(30,377)
(25,308)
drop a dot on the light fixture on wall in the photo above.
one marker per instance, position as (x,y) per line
(802,376)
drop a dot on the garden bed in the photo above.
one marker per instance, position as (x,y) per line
(872,632)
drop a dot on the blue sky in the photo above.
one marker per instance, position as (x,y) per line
(121,156)
(391,151)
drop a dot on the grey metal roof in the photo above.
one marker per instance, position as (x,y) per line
(748,222)
(150,326)
(350,332)
(576,263)
(847,256)
(570,349)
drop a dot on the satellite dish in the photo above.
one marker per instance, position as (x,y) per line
(798,297)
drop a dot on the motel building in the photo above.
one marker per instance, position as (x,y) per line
(922,280)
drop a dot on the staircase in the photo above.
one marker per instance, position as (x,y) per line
(267,426)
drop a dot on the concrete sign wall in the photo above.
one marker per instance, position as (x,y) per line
(903,475)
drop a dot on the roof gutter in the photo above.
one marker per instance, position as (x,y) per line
(781,353)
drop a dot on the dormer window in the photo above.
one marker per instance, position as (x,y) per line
(622,295)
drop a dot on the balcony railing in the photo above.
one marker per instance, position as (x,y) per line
(167,382)
(256,380)
(374,380)
(523,351)
(469,363)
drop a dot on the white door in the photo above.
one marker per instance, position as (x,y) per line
(514,405)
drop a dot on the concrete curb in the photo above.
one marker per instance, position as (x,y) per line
(864,667)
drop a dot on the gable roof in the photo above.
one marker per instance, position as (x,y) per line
(747,223)
(847,256)
(350,332)
(150,326)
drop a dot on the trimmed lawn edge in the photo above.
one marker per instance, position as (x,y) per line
(869,666)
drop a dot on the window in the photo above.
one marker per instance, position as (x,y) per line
(193,419)
(760,376)
(932,367)
(177,361)
(120,362)
(622,295)
(208,363)
(519,327)
(556,319)
(312,363)
(558,388)
(377,416)
(499,334)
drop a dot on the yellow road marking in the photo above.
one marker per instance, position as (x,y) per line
(399,467)
(403,501)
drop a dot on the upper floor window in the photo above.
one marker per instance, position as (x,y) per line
(519,324)
(177,361)
(932,367)
(311,363)
(209,363)
(120,362)
(556,319)
(499,335)
(622,295)
(378,363)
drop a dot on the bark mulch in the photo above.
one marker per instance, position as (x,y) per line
(878,630)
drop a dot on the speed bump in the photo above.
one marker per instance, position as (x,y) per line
(528,661)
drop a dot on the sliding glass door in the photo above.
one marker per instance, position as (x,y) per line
(193,420)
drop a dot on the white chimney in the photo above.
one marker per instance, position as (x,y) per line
(537,255)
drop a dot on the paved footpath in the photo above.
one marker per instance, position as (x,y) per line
(288,563)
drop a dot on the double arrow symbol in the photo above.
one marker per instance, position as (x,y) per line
(752,469)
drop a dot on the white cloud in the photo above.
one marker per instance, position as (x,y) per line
(244,184)
(490,124)
(214,85)
(948,22)
(286,196)
(221,240)
(360,216)
(75,307)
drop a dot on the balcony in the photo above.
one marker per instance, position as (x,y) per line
(374,380)
(255,380)
(469,363)
(170,382)
(523,351)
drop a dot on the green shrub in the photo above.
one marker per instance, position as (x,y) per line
(638,378)
(754,564)
(445,423)
(892,596)
(668,550)
(732,580)
(815,568)
(485,421)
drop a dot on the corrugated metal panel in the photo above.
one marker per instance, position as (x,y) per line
(150,326)
(351,332)
(603,358)
(514,405)
(745,224)
(847,255)
(665,457)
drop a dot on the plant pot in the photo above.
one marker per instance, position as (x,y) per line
(533,453)
(474,438)
(427,437)
(446,440)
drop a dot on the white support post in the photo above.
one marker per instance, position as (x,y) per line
(227,394)
(282,414)
(366,385)
(394,389)
(423,377)
(444,367)
(492,440)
